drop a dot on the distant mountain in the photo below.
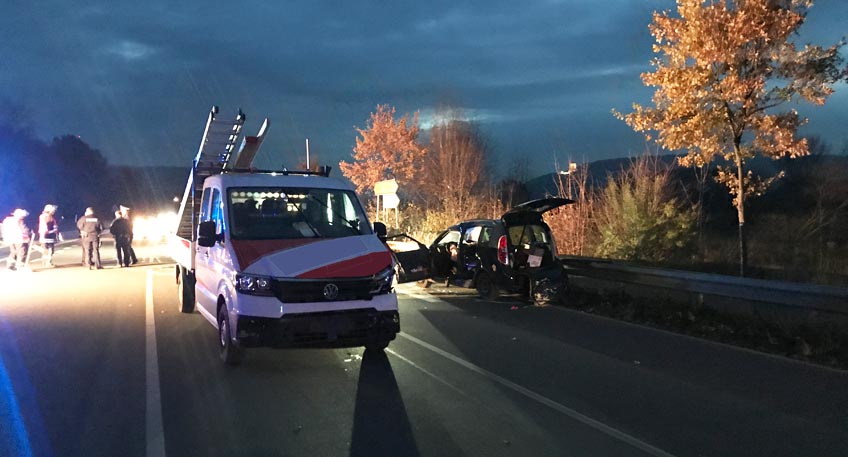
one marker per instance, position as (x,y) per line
(545,185)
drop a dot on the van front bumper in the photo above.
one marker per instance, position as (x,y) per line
(346,328)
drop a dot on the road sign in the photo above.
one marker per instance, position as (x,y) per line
(390,201)
(385,187)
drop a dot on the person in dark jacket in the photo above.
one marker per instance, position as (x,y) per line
(125,213)
(90,228)
(121,232)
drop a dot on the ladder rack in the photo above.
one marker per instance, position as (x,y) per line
(216,148)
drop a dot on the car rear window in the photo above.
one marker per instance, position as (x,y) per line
(527,235)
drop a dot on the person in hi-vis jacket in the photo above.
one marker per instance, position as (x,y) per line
(48,232)
(18,236)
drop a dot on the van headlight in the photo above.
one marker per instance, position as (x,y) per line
(254,285)
(383,281)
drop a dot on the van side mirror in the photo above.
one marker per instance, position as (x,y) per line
(380,230)
(206,234)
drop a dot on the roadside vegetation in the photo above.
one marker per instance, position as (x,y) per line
(825,344)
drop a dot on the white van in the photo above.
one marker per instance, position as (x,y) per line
(287,260)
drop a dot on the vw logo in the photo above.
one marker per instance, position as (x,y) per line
(331,291)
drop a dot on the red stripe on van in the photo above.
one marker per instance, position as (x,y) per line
(249,251)
(365,265)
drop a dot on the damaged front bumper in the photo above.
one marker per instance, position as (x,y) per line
(347,328)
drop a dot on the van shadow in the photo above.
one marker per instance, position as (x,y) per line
(380,423)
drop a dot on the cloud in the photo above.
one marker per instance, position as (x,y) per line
(130,50)
(135,77)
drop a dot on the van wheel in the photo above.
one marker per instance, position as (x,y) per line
(185,293)
(486,287)
(230,353)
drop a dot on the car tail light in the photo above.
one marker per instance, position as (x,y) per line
(502,254)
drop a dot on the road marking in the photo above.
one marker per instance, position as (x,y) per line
(153,418)
(427,372)
(597,425)
(405,290)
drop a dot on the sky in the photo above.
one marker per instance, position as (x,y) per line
(136,79)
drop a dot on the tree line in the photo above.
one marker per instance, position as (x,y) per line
(68,172)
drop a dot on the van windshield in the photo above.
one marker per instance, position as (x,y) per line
(272,213)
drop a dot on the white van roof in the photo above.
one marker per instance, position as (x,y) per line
(276,180)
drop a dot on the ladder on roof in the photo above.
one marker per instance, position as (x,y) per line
(216,156)
(216,148)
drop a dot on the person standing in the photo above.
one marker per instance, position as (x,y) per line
(120,230)
(48,233)
(17,235)
(125,213)
(90,229)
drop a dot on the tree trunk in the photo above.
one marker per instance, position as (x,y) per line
(740,211)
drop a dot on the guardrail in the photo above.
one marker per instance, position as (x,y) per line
(809,297)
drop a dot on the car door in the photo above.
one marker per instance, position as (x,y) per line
(468,257)
(443,253)
(412,258)
(532,210)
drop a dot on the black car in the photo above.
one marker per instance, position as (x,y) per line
(513,254)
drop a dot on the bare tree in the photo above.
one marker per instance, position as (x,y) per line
(572,224)
(455,174)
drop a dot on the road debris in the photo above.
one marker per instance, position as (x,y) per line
(352,357)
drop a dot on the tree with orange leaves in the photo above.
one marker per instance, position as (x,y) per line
(386,149)
(724,67)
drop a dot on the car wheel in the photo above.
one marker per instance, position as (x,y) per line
(544,292)
(230,353)
(185,292)
(486,287)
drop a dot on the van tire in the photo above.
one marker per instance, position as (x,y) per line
(230,353)
(486,287)
(185,292)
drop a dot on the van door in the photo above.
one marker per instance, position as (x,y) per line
(206,279)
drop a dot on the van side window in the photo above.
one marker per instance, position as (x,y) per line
(217,211)
(204,204)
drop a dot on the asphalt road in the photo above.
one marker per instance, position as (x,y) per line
(102,363)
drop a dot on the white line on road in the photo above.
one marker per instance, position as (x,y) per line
(597,425)
(153,417)
(409,291)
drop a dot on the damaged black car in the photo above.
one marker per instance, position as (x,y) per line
(515,254)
